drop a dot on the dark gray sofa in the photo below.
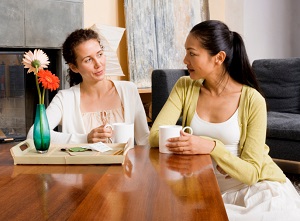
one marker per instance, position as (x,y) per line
(280,82)
(163,81)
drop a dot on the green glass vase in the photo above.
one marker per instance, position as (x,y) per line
(41,131)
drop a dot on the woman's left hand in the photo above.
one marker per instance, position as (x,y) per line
(190,144)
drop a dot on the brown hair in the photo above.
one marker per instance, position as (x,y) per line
(72,41)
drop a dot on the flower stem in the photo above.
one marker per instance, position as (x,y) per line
(37,85)
(43,96)
(41,126)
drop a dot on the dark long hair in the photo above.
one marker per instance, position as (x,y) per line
(73,40)
(215,36)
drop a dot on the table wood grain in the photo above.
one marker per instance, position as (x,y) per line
(149,186)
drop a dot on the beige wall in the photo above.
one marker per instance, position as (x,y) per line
(230,12)
(217,9)
(108,12)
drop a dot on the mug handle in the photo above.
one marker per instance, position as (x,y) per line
(188,128)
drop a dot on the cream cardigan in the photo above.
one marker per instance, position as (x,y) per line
(254,163)
(64,110)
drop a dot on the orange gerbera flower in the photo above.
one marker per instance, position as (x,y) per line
(48,80)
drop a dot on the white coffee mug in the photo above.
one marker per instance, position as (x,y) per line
(169,131)
(122,132)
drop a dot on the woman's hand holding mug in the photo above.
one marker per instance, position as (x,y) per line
(100,134)
(170,131)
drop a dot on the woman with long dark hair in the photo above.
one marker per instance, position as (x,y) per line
(221,101)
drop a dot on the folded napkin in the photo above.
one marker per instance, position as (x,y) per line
(100,147)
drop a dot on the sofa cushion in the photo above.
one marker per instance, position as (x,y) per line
(283,125)
(284,149)
(279,80)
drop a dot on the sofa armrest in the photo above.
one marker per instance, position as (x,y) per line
(163,81)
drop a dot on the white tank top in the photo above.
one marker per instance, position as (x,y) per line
(228,133)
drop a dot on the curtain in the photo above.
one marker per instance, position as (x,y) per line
(156,31)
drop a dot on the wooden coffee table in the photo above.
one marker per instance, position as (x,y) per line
(148,186)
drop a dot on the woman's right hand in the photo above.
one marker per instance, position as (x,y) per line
(98,134)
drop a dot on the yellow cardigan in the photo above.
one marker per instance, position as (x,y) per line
(254,163)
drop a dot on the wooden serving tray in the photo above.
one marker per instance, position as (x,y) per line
(29,155)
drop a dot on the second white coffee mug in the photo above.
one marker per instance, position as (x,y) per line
(169,131)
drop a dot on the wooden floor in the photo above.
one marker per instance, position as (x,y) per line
(288,166)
